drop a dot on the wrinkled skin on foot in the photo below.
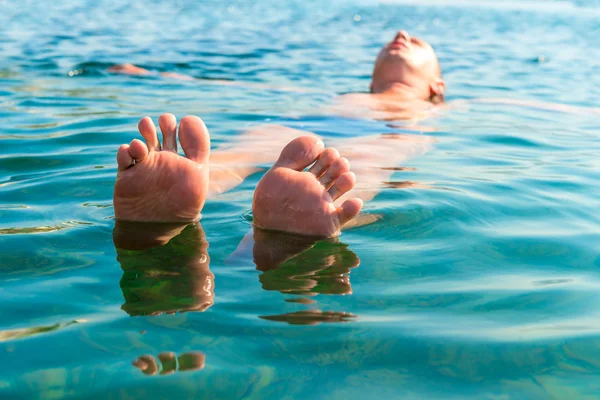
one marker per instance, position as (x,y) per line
(290,199)
(156,184)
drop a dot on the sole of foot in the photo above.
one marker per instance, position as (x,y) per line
(156,184)
(290,199)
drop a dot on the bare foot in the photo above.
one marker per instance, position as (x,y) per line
(290,199)
(160,185)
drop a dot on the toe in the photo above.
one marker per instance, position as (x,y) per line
(342,185)
(128,153)
(124,159)
(327,157)
(191,361)
(168,127)
(348,210)
(169,363)
(148,131)
(147,364)
(300,153)
(337,169)
(194,139)
(138,150)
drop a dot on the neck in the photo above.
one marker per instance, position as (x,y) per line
(397,90)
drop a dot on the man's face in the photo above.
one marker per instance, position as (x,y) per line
(407,60)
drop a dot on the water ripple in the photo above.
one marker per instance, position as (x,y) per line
(476,274)
(42,229)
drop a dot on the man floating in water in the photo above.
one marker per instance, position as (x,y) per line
(154,183)
(406,80)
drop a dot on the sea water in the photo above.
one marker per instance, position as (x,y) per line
(478,279)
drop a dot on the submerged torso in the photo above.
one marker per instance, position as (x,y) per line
(382,107)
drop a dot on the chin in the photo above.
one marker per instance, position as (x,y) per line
(394,52)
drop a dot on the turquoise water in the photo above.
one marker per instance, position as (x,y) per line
(480,283)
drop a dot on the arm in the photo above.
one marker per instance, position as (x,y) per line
(130,69)
(541,105)
(369,106)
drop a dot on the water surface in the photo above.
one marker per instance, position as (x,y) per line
(482,282)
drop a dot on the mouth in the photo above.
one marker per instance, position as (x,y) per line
(398,45)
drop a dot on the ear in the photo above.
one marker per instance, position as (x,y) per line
(436,90)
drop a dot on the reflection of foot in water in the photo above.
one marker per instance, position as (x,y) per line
(191,361)
(165,267)
(290,199)
(303,265)
(155,184)
(311,317)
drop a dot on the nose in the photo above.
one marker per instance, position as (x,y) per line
(403,35)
